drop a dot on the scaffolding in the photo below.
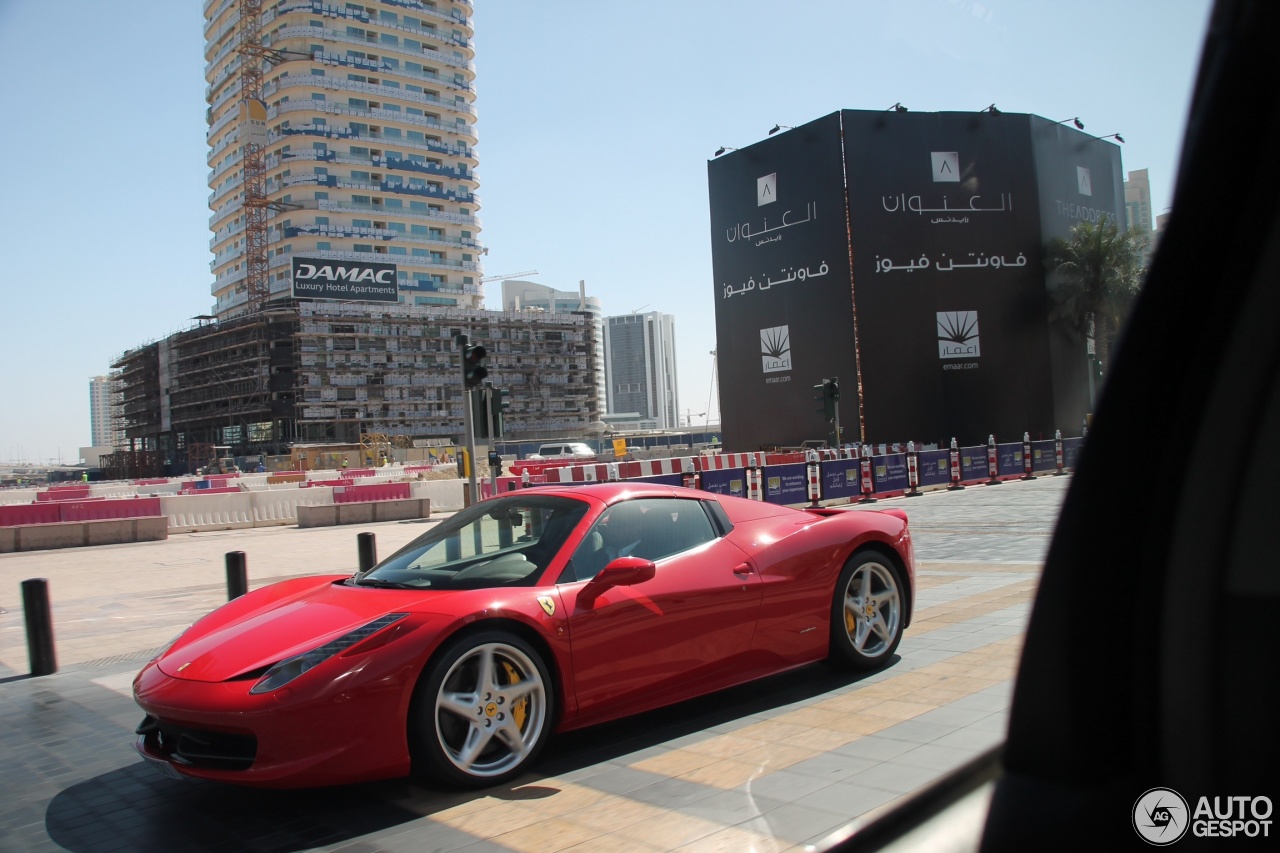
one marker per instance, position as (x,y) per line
(137,376)
(356,373)
(231,383)
(393,370)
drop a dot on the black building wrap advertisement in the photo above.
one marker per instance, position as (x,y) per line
(1080,179)
(948,276)
(948,216)
(780,260)
(352,281)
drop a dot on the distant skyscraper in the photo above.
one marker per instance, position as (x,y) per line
(640,368)
(103,414)
(1137,200)
(1137,207)
(370,123)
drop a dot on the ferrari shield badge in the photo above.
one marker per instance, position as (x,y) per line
(548,604)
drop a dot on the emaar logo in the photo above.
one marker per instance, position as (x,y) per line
(958,334)
(775,348)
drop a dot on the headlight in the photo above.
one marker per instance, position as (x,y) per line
(290,668)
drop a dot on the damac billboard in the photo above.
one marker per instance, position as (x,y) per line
(780,258)
(946,220)
(345,280)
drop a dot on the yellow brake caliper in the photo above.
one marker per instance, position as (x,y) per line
(519,710)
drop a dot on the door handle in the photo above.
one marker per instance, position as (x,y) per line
(742,569)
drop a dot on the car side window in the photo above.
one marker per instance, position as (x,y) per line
(673,525)
(651,528)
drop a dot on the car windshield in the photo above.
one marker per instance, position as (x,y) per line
(507,541)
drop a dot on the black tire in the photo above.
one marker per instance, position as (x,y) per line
(867,611)
(482,711)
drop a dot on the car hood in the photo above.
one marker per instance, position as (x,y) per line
(268,625)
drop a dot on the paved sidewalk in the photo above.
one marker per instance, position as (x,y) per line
(773,765)
(119,599)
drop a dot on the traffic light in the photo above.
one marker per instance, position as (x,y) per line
(480,412)
(500,403)
(829,394)
(485,402)
(473,369)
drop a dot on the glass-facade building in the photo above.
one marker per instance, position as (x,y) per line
(640,368)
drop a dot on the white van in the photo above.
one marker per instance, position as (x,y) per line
(564,450)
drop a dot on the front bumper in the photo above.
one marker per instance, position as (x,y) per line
(337,724)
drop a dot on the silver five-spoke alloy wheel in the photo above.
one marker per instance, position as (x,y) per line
(491,710)
(868,611)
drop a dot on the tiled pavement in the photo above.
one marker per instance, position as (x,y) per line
(771,766)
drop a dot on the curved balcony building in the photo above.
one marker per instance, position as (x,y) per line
(369,153)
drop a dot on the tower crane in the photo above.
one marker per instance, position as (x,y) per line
(253,140)
(508,275)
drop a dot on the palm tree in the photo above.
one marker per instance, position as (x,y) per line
(1100,272)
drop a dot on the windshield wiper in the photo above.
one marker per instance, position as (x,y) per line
(381,584)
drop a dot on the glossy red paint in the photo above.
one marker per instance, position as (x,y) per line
(755,600)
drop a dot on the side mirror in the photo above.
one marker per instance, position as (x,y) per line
(624,571)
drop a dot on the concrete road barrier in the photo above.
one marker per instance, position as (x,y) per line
(190,513)
(280,506)
(367,512)
(76,534)
(445,495)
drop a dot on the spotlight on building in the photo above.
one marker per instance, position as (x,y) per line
(1117,137)
(897,108)
(991,109)
(778,127)
(724,148)
(1074,120)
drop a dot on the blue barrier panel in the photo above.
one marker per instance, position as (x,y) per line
(935,467)
(786,484)
(1071,452)
(1009,459)
(973,464)
(1043,457)
(890,473)
(840,479)
(661,480)
(730,481)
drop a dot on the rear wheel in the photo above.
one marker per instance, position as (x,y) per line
(867,611)
(482,711)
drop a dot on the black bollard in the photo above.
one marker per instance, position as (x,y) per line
(367,548)
(35,607)
(237,575)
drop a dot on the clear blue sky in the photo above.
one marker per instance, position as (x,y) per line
(597,118)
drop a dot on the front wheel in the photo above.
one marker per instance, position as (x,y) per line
(483,711)
(867,611)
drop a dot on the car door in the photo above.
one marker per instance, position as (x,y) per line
(671,636)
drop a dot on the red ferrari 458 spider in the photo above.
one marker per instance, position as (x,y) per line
(542,610)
